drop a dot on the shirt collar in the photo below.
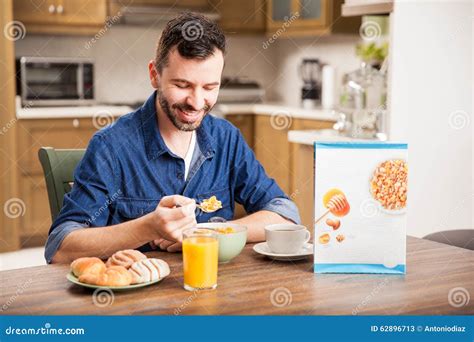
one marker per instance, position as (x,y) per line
(154,143)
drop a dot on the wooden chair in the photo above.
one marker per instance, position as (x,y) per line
(58,167)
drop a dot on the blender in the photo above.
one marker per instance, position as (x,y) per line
(310,73)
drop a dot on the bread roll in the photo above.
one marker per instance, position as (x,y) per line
(112,276)
(147,270)
(87,265)
(125,258)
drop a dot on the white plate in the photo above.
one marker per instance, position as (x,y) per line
(73,279)
(263,249)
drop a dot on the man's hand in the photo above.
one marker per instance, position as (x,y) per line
(169,246)
(173,215)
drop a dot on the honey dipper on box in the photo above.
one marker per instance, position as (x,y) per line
(336,203)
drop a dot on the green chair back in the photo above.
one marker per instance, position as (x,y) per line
(58,167)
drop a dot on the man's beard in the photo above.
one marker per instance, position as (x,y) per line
(182,126)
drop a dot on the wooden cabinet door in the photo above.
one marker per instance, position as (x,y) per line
(245,16)
(61,16)
(312,13)
(36,221)
(57,133)
(303,183)
(35,11)
(297,15)
(79,12)
(308,18)
(310,124)
(272,149)
(245,123)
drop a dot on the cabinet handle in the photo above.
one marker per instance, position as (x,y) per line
(51,9)
(60,9)
(75,123)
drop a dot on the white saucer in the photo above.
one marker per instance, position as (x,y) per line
(263,249)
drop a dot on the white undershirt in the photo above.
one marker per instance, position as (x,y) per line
(189,155)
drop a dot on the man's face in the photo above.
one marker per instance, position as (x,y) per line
(188,88)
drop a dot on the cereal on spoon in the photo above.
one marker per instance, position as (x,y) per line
(210,205)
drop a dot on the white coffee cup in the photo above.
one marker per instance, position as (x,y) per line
(286,238)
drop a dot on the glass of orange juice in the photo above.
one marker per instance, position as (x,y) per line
(200,259)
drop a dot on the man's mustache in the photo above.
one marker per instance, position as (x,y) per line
(187,108)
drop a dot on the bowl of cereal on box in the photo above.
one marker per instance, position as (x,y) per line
(232,238)
(388,186)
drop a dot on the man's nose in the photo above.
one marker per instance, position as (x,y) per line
(196,100)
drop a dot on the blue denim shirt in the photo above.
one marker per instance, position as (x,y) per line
(127,168)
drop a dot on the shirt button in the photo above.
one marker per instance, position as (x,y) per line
(179,174)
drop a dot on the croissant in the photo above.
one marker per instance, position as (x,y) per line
(147,270)
(87,265)
(112,276)
(125,258)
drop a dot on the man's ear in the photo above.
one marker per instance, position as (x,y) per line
(154,74)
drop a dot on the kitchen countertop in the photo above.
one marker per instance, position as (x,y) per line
(252,284)
(73,112)
(220,110)
(308,137)
(273,109)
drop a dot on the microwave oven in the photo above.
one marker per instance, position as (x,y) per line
(52,81)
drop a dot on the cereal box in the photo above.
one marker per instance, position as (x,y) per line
(360,205)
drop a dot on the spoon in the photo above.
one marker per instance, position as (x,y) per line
(208,206)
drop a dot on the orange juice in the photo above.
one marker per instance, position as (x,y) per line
(200,258)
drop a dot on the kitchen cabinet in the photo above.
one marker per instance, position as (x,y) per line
(272,149)
(30,12)
(308,18)
(58,133)
(245,123)
(303,182)
(245,16)
(284,17)
(77,12)
(36,221)
(147,9)
(33,134)
(61,16)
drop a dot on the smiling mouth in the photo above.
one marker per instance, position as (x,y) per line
(189,116)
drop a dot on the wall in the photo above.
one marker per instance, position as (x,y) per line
(431,103)
(337,50)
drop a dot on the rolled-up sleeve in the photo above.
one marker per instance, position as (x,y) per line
(285,208)
(255,190)
(57,236)
(87,205)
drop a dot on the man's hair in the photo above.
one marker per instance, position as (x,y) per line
(194,36)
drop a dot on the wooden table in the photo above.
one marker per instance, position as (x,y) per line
(252,284)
